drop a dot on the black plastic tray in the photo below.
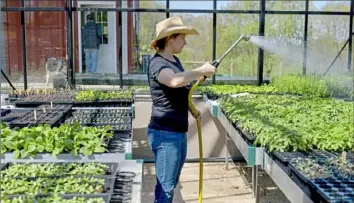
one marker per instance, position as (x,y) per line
(123,187)
(56,107)
(113,126)
(248,137)
(101,112)
(111,172)
(116,103)
(4,112)
(118,145)
(54,122)
(283,159)
(335,189)
(331,189)
(33,104)
(350,155)
(93,120)
(105,197)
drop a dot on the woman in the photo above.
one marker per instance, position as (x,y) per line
(169,86)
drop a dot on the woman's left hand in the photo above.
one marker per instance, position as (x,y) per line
(197,116)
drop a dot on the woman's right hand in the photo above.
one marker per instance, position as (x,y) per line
(207,69)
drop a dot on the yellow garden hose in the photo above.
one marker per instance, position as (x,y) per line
(194,111)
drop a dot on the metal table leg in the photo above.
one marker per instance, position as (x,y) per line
(255,180)
(226,152)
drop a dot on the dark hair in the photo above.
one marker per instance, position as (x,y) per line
(90,17)
(160,44)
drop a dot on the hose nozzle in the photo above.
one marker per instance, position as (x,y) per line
(246,37)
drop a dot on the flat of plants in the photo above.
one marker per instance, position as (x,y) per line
(78,98)
(304,123)
(67,181)
(73,139)
(51,126)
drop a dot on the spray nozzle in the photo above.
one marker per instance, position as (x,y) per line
(246,37)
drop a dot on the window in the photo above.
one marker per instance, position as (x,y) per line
(101,20)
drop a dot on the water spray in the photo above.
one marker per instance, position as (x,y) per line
(194,111)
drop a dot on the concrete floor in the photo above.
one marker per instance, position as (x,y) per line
(220,185)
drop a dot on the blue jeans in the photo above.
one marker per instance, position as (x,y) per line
(91,56)
(170,150)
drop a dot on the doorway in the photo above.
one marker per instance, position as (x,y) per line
(107,53)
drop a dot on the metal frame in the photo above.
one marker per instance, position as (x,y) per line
(69,9)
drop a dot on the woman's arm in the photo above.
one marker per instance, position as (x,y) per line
(176,80)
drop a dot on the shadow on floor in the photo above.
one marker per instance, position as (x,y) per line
(269,192)
(149,186)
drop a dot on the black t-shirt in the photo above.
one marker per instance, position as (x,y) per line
(169,105)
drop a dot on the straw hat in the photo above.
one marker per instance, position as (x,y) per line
(170,26)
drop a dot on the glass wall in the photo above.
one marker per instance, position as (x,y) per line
(127,54)
(283,44)
(242,60)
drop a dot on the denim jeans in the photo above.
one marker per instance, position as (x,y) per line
(170,150)
(91,56)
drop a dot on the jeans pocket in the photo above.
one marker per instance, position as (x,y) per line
(154,139)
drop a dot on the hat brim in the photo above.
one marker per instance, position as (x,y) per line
(187,30)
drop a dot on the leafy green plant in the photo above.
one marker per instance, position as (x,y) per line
(44,139)
(93,95)
(57,199)
(16,170)
(304,85)
(66,185)
(290,123)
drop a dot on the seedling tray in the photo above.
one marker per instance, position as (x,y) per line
(33,104)
(28,119)
(350,155)
(111,171)
(100,120)
(108,186)
(123,187)
(12,114)
(119,145)
(4,112)
(116,103)
(37,198)
(285,157)
(335,190)
(248,137)
(102,112)
(105,197)
(330,184)
(56,107)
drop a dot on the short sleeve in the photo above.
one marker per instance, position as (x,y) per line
(155,68)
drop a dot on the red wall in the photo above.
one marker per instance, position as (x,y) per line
(46,36)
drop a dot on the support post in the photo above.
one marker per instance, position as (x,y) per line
(167,7)
(226,152)
(24,51)
(350,35)
(120,45)
(261,33)
(7,79)
(255,180)
(304,65)
(70,52)
(214,34)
